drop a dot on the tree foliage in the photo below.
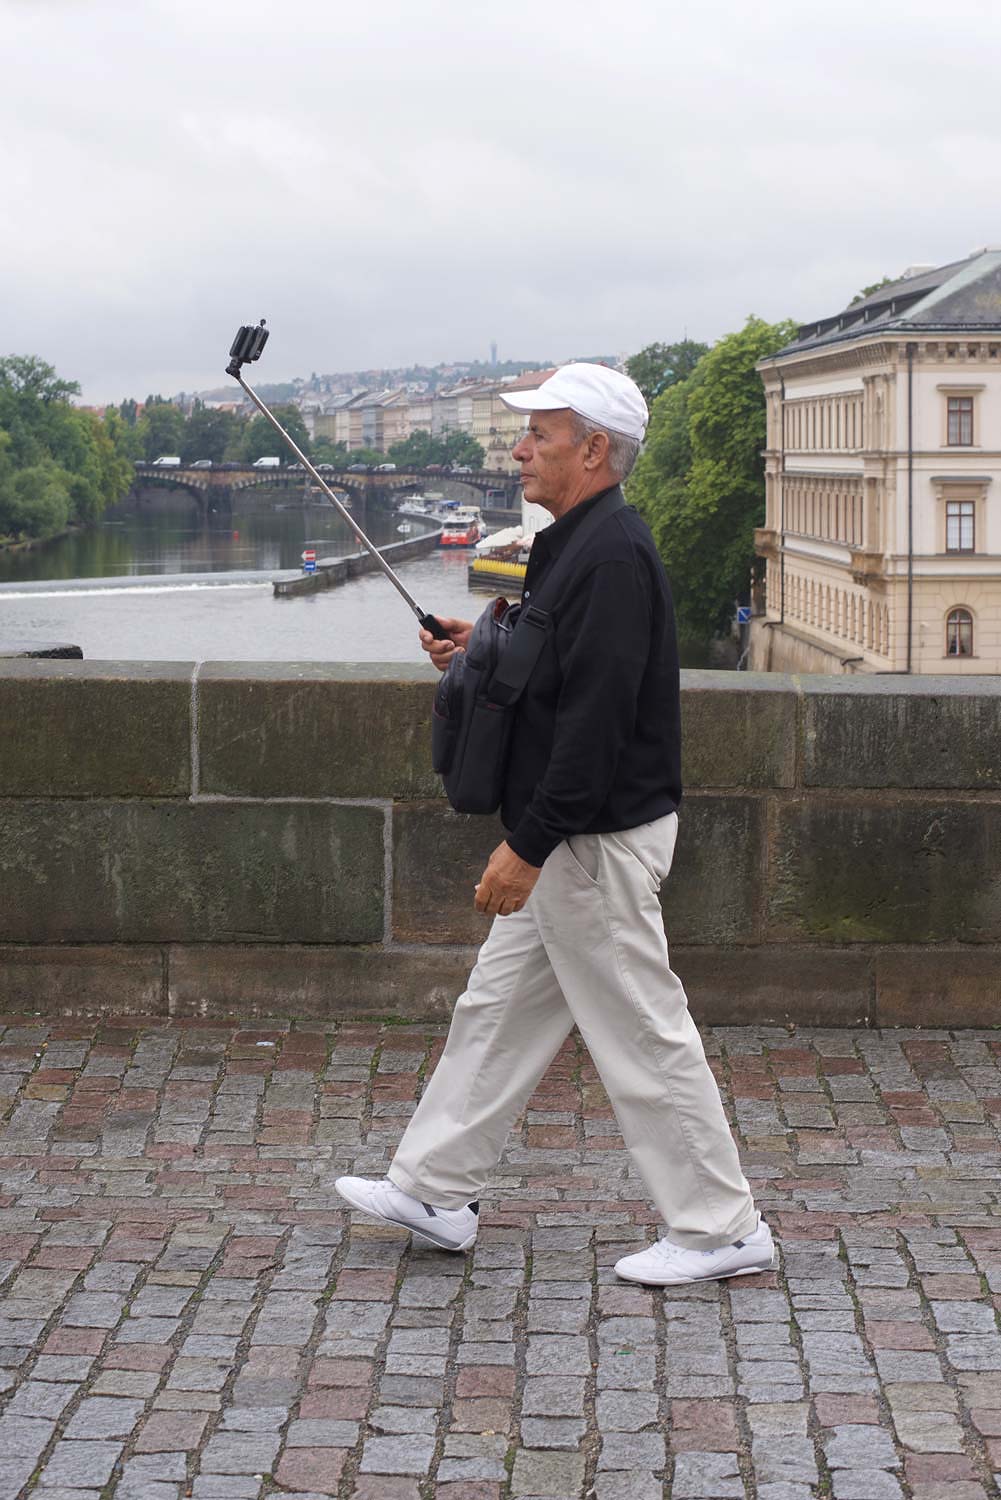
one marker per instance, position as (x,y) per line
(162,428)
(58,464)
(208,433)
(420,450)
(659,366)
(699,481)
(259,438)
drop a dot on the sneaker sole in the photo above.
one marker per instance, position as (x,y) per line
(374,1213)
(691,1280)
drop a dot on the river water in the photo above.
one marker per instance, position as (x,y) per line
(165,584)
(162,583)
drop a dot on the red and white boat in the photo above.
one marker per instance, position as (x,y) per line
(463,528)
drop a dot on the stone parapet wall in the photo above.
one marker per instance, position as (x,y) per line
(269,839)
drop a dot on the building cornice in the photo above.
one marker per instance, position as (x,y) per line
(888,349)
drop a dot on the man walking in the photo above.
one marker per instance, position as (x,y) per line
(590,808)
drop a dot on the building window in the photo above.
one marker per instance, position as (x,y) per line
(960,526)
(959,633)
(960,433)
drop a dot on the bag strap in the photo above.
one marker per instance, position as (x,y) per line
(529,635)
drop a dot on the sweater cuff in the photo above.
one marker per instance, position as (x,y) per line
(531,842)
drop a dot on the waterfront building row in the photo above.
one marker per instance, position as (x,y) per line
(378,419)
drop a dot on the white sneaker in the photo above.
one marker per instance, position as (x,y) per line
(665,1264)
(447,1228)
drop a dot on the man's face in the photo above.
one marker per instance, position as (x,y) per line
(552,463)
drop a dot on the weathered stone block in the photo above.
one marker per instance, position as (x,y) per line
(315,982)
(87,981)
(902,732)
(939,987)
(853,869)
(739,729)
(770,985)
(95,729)
(714,891)
(309,729)
(438,856)
(205,872)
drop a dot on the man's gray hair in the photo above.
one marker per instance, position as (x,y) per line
(622,451)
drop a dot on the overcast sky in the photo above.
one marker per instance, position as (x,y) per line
(408,180)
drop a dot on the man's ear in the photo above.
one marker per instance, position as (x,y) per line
(596,451)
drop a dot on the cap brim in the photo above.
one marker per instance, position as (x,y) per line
(535,401)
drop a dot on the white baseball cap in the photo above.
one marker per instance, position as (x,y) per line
(605,397)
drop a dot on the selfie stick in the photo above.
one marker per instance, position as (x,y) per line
(248,346)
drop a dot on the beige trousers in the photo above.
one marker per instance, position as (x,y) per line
(588,948)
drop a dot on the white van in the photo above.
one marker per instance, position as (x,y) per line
(167,461)
(266,463)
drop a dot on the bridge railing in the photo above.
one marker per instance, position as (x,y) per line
(255,838)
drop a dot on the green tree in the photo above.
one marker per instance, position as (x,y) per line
(370,456)
(36,501)
(33,381)
(326,451)
(462,448)
(421,449)
(162,428)
(60,464)
(416,451)
(700,479)
(259,438)
(659,366)
(207,433)
(125,435)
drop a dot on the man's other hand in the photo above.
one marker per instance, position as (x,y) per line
(505,884)
(441,652)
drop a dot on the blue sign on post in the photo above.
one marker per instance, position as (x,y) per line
(743,614)
(309,560)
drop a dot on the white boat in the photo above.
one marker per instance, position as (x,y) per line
(413,505)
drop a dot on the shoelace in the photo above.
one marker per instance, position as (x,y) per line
(667,1251)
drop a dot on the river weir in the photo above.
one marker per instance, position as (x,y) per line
(166,584)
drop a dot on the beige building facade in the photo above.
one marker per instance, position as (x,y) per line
(882,535)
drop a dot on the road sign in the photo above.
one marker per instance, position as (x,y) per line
(309,560)
(743,614)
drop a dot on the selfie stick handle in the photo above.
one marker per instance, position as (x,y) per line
(426,621)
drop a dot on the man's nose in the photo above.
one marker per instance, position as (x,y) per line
(520,450)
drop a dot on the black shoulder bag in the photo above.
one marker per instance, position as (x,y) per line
(477,698)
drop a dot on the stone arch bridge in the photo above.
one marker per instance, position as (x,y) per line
(214,489)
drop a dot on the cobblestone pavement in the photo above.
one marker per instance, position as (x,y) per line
(189,1311)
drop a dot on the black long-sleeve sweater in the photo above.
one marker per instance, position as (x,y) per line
(596,745)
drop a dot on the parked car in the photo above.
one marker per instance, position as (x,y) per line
(434,468)
(326,468)
(272,461)
(461,469)
(385,468)
(231,464)
(202,463)
(293,467)
(167,461)
(357,468)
